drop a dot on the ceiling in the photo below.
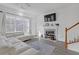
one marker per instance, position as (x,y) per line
(37,7)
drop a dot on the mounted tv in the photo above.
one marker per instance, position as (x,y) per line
(50,17)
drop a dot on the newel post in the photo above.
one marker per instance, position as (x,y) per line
(66,38)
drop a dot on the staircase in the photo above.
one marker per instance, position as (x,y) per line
(73,43)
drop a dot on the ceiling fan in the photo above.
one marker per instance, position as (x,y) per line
(25,5)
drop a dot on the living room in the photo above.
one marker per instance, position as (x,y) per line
(39,28)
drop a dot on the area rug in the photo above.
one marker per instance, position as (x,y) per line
(43,48)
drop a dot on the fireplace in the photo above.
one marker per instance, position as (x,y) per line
(50,34)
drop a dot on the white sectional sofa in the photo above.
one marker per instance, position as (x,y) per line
(13,46)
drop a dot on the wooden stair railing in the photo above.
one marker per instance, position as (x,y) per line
(66,32)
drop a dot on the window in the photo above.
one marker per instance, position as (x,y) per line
(15,23)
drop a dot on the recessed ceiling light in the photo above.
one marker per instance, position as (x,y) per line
(25,5)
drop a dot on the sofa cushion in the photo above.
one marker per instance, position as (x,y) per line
(4,42)
(13,40)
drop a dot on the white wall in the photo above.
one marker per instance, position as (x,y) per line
(66,17)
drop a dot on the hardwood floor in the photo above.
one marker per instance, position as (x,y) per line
(59,50)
